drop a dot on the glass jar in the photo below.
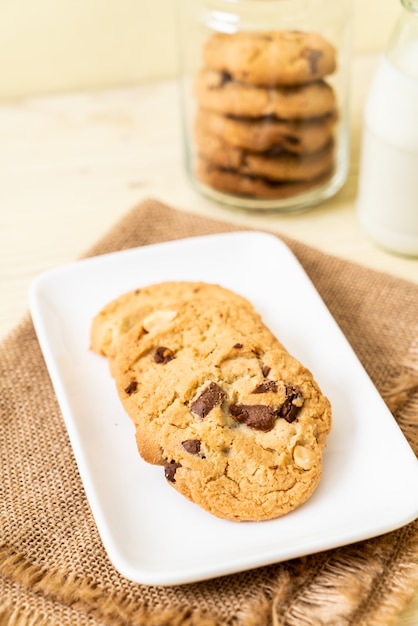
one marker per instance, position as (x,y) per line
(264,87)
(387,201)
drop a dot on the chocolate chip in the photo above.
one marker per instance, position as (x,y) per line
(170,468)
(276,150)
(312,57)
(238,346)
(295,141)
(163,355)
(293,403)
(132,387)
(210,397)
(266,370)
(269,385)
(192,446)
(239,412)
(226,77)
(243,160)
(257,416)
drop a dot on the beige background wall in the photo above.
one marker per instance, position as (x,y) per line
(58,45)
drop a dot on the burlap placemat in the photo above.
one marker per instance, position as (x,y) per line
(53,568)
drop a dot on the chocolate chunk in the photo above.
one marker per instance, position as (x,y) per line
(276,150)
(238,346)
(192,446)
(295,141)
(269,385)
(226,77)
(279,149)
(293,403)
(257,416)
(239,413)
(163,355)
(170,468)
(209,398)
(312,57)
(266,370)
(132,387)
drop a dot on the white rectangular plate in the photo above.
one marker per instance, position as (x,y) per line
(152,534)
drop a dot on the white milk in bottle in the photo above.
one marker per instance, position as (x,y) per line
(388,186)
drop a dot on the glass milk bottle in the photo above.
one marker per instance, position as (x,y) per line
(388,187)
(264,92)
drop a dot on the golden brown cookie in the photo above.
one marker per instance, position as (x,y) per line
(265,133)
(139,305)
(232,182)
(271,58)
(275,165)
(217,92)
(238,423)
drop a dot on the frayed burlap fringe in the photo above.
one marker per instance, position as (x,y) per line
(350,587)
(86,595)
(53,570)
(326,598)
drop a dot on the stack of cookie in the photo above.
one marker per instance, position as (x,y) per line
(237,423)
(266,116)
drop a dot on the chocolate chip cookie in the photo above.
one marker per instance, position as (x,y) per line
(265,124)
(268,133)
(144,306)
(238,424)
(271,58)
(218,92)
(252,186)
(274,164)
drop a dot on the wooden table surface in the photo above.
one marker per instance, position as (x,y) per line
(72,165)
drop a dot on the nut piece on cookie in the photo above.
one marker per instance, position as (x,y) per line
(303,457)
(157,320)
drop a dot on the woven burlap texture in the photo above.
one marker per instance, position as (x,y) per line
(53,568)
